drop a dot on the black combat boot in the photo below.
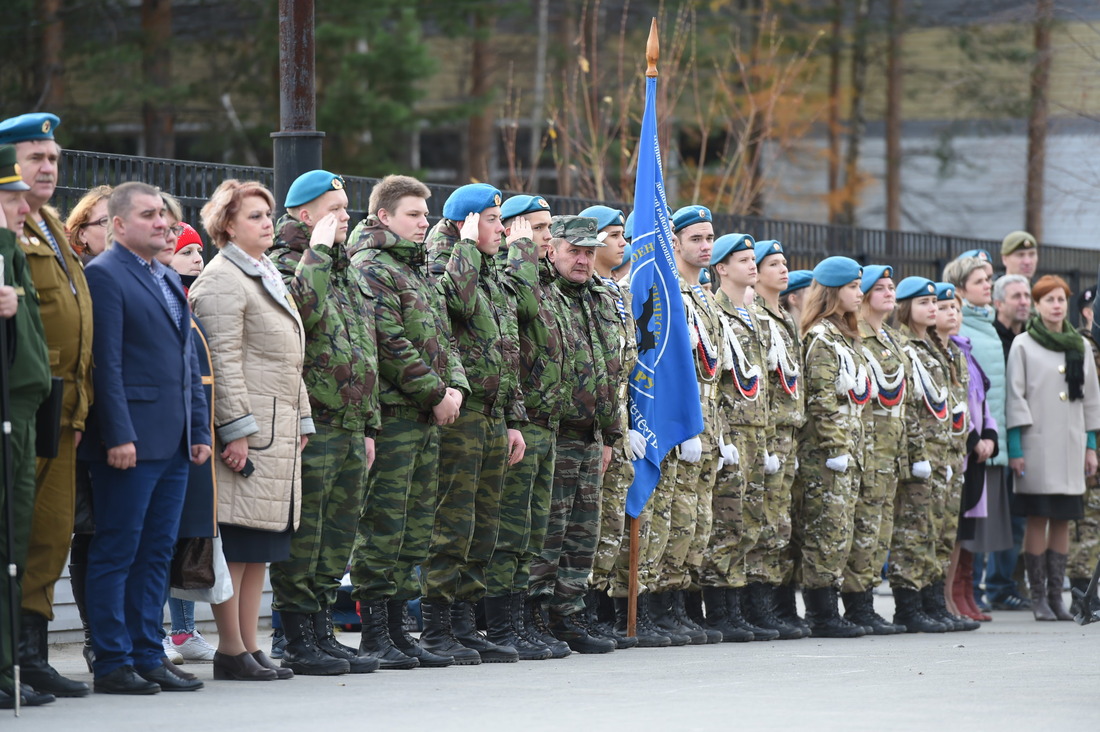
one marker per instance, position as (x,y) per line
(737,603)
(662,612)
(716,602)
(358,663)
(375,642)
(34,660)
(572,630)
(501,629)
(859,608)
(536,626)
(302,654)
(397,611)
(935,606)
(908,613)
(761,603)
(439,638)
(464,623)
(824,616)
(78,574)
(645,637)
(786,608)
(679,611)
(593,601)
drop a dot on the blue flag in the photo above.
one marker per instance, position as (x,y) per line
(664,393)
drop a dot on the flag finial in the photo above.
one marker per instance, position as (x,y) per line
(652,50)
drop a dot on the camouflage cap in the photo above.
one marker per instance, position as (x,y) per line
(577,230)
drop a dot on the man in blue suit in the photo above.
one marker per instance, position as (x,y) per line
(149,419)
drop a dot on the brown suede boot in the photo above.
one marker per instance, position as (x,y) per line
(1056,574)
(963,590)
(1036,565)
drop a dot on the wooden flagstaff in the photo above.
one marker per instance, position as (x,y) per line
(652,53)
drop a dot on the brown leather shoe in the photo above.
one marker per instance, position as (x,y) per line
(280,672)
(242,667)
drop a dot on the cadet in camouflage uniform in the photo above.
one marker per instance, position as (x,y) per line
(545,356)
(1085,548)
(830,446)
(476,449)
(587,433)
(912,544)
(886,449)
(340,372)
(422,385)
(745,524)
(688,489)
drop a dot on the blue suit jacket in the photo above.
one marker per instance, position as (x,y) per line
(148,384)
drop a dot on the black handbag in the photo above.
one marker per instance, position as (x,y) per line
(47,423)
(193,564)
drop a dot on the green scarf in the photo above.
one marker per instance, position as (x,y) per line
(1068,342)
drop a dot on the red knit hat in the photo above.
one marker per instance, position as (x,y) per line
(188,236)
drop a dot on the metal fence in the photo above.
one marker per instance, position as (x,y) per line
(911,253)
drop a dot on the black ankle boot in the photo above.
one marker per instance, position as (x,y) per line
(375,642)
(786,608)
(934,604)
(761,603)
(824,615)
(739,607)
(464,623)
(645,637)
(397,611)
(909,613)
(859,608)
(34,654)
(663,619)
(536,627)
(302,654)
(326,640)
(500,621)
(679,611)
(593,602)
(572,630)
(716,603)
(78,574)
(438,636)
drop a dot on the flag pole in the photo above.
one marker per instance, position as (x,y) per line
(652,53)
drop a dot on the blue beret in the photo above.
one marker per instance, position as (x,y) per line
(628,227)
(36,126)
(605,216)
(766,247)
(627,254)
(728,244)
(872,273)
(689,215)
(981,254)
(520,205)
(837,271)
(945,291)
(912,287)
(308,186)
(798,280)
(468,199)
(704,276)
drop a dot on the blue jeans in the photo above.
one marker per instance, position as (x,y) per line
(183,615)
(1001,565)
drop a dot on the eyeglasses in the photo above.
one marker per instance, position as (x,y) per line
(177,229)
(98,222)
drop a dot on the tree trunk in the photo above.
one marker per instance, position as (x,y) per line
(1037,120)
(51,66)
(833,119)
(159,121)
(480,128)
(538,105)
(856,121)
(893,119)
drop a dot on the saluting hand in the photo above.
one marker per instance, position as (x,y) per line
(469,229)
(521,229)
(324,232)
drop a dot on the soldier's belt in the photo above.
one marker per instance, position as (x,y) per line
(411,414)
(585,435)
(884,412)
(848,409)
(707,391)
(478,405)
(542,419)
(623,389)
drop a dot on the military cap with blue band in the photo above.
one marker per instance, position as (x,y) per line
(872,273)
(605,216)
(520,205)
(766,248)
(977,254)
(912,287)
(800,279)
(35,126)
(468,199)
(945,291)
(10,177)
(689,215)
(312,185)
(837,271)
(727,244)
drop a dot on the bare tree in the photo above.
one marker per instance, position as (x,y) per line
(1037,119)
(893,118)
(156,49)
(856,119)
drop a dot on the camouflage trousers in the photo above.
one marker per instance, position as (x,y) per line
(1084,549)
(828,504)
(524,510)
(791,559)
(396,523)
(561,572)
(760,514)
(772,566)
(873,516)
(945,518)
(659,507)
(334,485)
(724,564)
(691,518)
(472,459)
(616,482)
(913,544)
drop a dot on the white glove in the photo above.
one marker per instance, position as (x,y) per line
(950,472)
(691,451)
(796,463)
(771,464)
(838,464)
(921,469)
(730,456)
(637,444)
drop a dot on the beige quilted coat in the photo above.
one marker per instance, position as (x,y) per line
(257,345)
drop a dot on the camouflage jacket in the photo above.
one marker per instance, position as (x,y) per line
(959,409)
(743,391)
(415,361)
(481,303)
(837,386)
(704,322)
(786,397)
(888,362)
(545,354)
(620,304)
(592,327)
(337,309)
(930,382)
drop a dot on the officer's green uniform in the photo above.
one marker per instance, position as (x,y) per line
(415,367)
(481,304)
(340,373)
(28,385)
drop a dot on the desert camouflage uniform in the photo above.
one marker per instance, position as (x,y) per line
(945,511)
(1084,550)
